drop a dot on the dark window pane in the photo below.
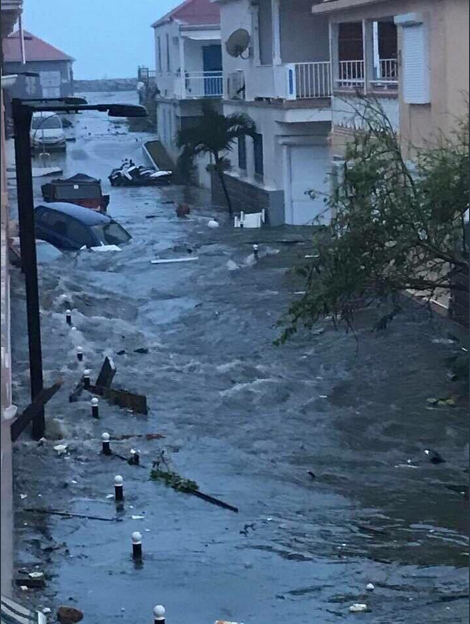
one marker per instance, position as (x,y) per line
(242,153)
(259,159)
(80,234)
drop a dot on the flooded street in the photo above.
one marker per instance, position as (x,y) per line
(244,419)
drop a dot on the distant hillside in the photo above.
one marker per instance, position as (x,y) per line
(116,84)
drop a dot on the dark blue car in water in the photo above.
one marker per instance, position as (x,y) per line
(70,227)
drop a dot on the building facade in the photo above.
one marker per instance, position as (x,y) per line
(53,66)
(188,62)
(10,12)
(282,81)
(412,55)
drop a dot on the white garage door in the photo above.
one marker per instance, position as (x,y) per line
(309,170)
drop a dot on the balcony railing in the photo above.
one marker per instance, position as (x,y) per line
(351,74)
(202,84)
(309,80)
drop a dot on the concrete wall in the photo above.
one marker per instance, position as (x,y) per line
(304,37)
(166,80)
(249,198)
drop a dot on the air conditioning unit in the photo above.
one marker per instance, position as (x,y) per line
(236,85)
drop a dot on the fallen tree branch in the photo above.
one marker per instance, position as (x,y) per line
(68,514)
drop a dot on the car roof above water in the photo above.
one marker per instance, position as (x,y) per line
(85,215)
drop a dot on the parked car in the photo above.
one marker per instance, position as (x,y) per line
(47,132)
(45,252)
(71,227)
(80,189)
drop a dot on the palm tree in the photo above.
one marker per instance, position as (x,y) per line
(215,134)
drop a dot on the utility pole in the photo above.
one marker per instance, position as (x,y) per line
(22,116)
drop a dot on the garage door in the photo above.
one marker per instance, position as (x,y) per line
(309,170)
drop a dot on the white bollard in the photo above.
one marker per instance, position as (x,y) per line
(80,354)
(87,379)
(68,317)
(95,410)
(159,615)
(118,488)
(106,444)
(136,546)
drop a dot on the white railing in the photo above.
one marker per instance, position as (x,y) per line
(387,72)
(351,74)
(202,84)
(309,80)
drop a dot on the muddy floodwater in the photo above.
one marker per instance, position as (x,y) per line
(244,419)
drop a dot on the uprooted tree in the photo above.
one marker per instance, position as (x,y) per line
(397,225)
(215,134)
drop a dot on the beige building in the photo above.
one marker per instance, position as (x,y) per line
(413,55)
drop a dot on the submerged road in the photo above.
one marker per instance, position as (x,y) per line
(247,421)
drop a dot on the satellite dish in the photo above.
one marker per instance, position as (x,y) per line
(238,43)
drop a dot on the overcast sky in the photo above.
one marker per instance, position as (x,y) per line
(106,37)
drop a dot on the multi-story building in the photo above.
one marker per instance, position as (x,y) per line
(10,12)
(188,62)
(412,55)
(282,81)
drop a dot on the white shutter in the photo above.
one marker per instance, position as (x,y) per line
(416,71)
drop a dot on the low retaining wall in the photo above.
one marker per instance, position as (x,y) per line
(248,198)
(117,84)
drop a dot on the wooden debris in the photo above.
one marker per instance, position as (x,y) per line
(107,372)
(122,398)
(33,409)
(68,514)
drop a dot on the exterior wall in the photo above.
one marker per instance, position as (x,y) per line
(303,38)
(166,79)
(448,35)
(21,88)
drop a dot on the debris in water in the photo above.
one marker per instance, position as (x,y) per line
(174,260)
(358,608)
(213,223)
(10,412)
(370,587)
(434,457)
(68,514)
(142,350)
(138,517)
(122,398)
(69,615)
(61,449)
(312,474)
(23,496)
(121,352)
(107,372)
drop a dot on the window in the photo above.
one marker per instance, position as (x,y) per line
(79,233)
(168,53)
(111,233)
(265,32)
(258,151)
(46,123)
(242,153)
(159,55)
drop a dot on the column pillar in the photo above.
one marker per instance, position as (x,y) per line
(334,55)
(182,68)
(276,20)
(368,46)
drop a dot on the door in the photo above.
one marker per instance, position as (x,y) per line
(212,66)
(309,169)
(50,83)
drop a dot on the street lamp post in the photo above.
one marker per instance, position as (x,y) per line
(22,111)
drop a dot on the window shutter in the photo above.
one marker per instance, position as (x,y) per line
(416,79)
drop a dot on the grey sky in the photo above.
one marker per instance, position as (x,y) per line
(106,37)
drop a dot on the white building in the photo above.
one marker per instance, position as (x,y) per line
(283,82)
(188,62)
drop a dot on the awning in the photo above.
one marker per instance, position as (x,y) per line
(14,613)
(203,35)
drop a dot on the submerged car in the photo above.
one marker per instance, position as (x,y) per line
(45,252)
(80,189)
(70,228)
(47,132)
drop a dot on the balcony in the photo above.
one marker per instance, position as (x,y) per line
(204,84)
(351,74)
(308,81)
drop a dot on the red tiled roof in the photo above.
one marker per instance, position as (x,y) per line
(35,49)
(193,13)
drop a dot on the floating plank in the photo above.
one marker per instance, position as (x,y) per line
(107,372)
(33,409)
(174,260)
(214,501)
(122,398)
(69,514)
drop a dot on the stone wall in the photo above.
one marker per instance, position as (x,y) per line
(117,84)
(249,198)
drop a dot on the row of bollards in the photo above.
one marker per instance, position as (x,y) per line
(137,551)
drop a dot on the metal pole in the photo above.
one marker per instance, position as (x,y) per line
(22,116)
(21,33)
